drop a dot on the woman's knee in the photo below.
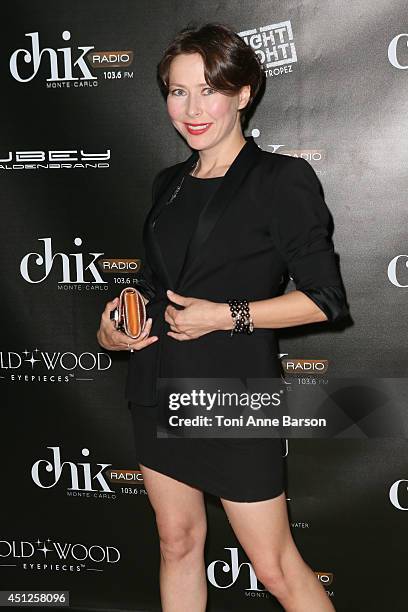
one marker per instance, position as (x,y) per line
(178,541)
(272,576)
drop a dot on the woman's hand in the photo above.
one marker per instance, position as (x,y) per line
(197,318)
(113,340)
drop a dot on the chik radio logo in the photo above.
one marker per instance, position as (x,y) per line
(82,477)
(79,271)
(313,155)
(71,267)
(35,56)
(68,65)
(221,570)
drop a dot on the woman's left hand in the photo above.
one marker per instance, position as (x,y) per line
(198,317)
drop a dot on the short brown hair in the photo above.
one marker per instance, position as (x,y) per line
(229,63)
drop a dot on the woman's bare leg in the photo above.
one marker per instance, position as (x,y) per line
(263,531)
(182,526)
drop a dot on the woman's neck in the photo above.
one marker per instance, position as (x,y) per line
(216,161)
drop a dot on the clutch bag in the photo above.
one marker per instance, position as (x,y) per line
(130,315)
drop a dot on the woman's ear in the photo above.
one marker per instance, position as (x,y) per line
(244,95)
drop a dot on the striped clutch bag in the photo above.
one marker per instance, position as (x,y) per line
(130,316)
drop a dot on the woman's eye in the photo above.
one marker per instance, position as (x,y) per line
(174,92)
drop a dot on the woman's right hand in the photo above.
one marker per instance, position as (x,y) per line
(114,340)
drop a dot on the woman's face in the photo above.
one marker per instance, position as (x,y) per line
(192,102)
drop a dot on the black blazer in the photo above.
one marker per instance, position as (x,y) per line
(267,220)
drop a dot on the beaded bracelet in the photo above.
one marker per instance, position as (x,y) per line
(241,317)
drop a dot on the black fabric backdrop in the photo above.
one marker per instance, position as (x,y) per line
(80,144)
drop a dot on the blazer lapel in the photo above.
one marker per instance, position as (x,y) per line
(161,199)
(209,215)
(216,206)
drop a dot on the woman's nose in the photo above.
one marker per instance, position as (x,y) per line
(193,107)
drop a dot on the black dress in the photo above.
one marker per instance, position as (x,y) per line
(237,469)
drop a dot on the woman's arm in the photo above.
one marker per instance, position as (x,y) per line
(300,229)
(299,226)
(293,308)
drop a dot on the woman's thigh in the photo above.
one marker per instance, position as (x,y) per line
(179,508)
(263,531)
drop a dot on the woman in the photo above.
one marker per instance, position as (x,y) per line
(226,224)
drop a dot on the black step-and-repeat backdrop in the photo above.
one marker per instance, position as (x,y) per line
(83,131)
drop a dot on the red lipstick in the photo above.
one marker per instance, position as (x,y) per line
(196,129)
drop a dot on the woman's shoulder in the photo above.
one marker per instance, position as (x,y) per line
(285,163)
(283,171)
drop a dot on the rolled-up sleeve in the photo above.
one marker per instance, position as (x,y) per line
(301,230)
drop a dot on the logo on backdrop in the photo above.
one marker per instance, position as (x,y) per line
(56,556)
(398,494)
(51,367)
(52,160)
(397,51)
(305,366)
(397,271)
(76,269)
(310,155)
(233,568)
(83,479)
(68,66)
(80,271)
(305,370)
(274,45)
